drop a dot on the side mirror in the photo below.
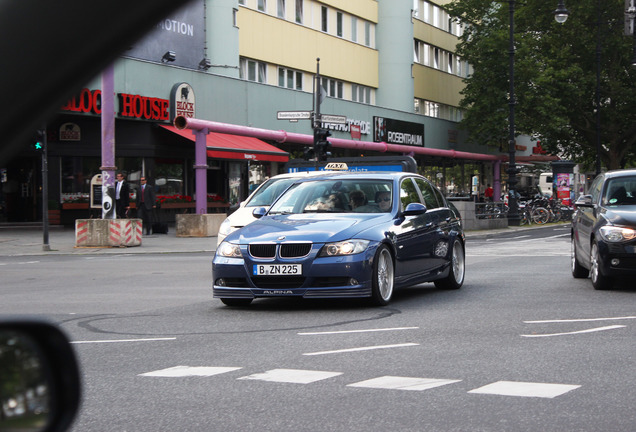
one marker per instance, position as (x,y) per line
(414,209)
(584,201)
(259,212)
(39,375)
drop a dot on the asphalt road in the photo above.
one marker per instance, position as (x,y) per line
(521,347)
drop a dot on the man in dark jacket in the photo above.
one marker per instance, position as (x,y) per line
(122,196)
(146,202)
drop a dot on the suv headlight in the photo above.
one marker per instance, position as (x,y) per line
(226,227)
(614,234)
(229,250)
(347,247)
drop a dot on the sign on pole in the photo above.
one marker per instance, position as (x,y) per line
(293,115)
(329,118)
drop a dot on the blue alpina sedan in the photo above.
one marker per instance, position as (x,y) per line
(344,235)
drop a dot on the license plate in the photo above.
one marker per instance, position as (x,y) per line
(277,270)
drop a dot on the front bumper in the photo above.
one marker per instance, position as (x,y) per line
(324,277)
(617,259)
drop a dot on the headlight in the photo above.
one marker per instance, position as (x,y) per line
(347,247)
(226,228)
(229,250)
(614,234)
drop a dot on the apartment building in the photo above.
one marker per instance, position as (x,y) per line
(388,66)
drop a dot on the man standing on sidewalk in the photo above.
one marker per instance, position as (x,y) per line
(146,202)
(122,196)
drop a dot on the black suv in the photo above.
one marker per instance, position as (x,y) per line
(604,230)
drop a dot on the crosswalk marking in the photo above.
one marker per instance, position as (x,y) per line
(386,382)
(525,389)
(185,371)
(403,383)
(296,376)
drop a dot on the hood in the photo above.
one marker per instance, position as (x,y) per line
(314,227)
(621,215)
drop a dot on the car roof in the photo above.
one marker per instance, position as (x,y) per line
(373,175)
(620,173)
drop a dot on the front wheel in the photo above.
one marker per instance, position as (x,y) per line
(455,278)
(540,216)
(578,271)
(383,277)
(599,281)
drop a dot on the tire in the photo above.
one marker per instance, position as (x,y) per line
(236,301)
(455,278)
(540,216)
(599,281)
(383,277)
(578,271)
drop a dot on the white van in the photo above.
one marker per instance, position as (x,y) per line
(545,183)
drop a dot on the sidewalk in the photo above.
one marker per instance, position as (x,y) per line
(29,242)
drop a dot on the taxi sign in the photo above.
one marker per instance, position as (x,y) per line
(336,166)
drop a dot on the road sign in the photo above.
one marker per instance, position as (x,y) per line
(293,115)
(328,118)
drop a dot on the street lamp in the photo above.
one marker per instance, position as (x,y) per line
(561,13)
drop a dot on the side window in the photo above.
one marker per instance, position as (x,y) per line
(408,193)
(595,189)
(428,193)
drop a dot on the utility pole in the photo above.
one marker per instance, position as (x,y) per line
(46,247)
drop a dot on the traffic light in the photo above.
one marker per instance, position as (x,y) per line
(309,153)
(322,147)
(38,141)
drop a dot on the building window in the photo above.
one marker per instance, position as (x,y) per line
(360,94)
(324,26)
(262,5)
(290,79)
(252,70)
(242,2)
(281,9)
(334,88)
(367,34)
(299,11)
(354,29)
(339,24)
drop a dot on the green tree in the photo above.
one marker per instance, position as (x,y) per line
(555,77)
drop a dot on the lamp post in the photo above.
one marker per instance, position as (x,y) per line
(513,205)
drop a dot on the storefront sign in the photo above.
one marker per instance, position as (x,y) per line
(130,106)
(183,101)
(365,126)
(397,132)
(70,132)
(142,107)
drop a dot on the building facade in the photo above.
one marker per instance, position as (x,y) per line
(388,66)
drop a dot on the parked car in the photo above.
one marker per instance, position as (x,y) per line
(263,196)
(344,235)
(604,230)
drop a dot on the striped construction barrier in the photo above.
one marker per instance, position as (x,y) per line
(108,232)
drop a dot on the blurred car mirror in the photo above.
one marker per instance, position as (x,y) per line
(39,377)
(259,212)
(584,201)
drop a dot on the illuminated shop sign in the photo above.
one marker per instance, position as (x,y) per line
(393,131)
(130,106)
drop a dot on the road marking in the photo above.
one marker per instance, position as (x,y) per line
(294,376)
(369,348)
(525,389)
(403,383)
(124,340)
(186,371)
(614,327)
(357,331)
(580,320)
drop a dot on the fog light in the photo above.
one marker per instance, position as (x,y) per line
(220,282)
(353,281)
(615,262)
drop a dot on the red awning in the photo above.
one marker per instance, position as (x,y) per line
(225,146)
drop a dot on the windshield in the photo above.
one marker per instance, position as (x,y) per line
(336,196)
(620,191)
(267,194)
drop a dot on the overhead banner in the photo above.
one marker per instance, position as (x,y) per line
(392,131)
